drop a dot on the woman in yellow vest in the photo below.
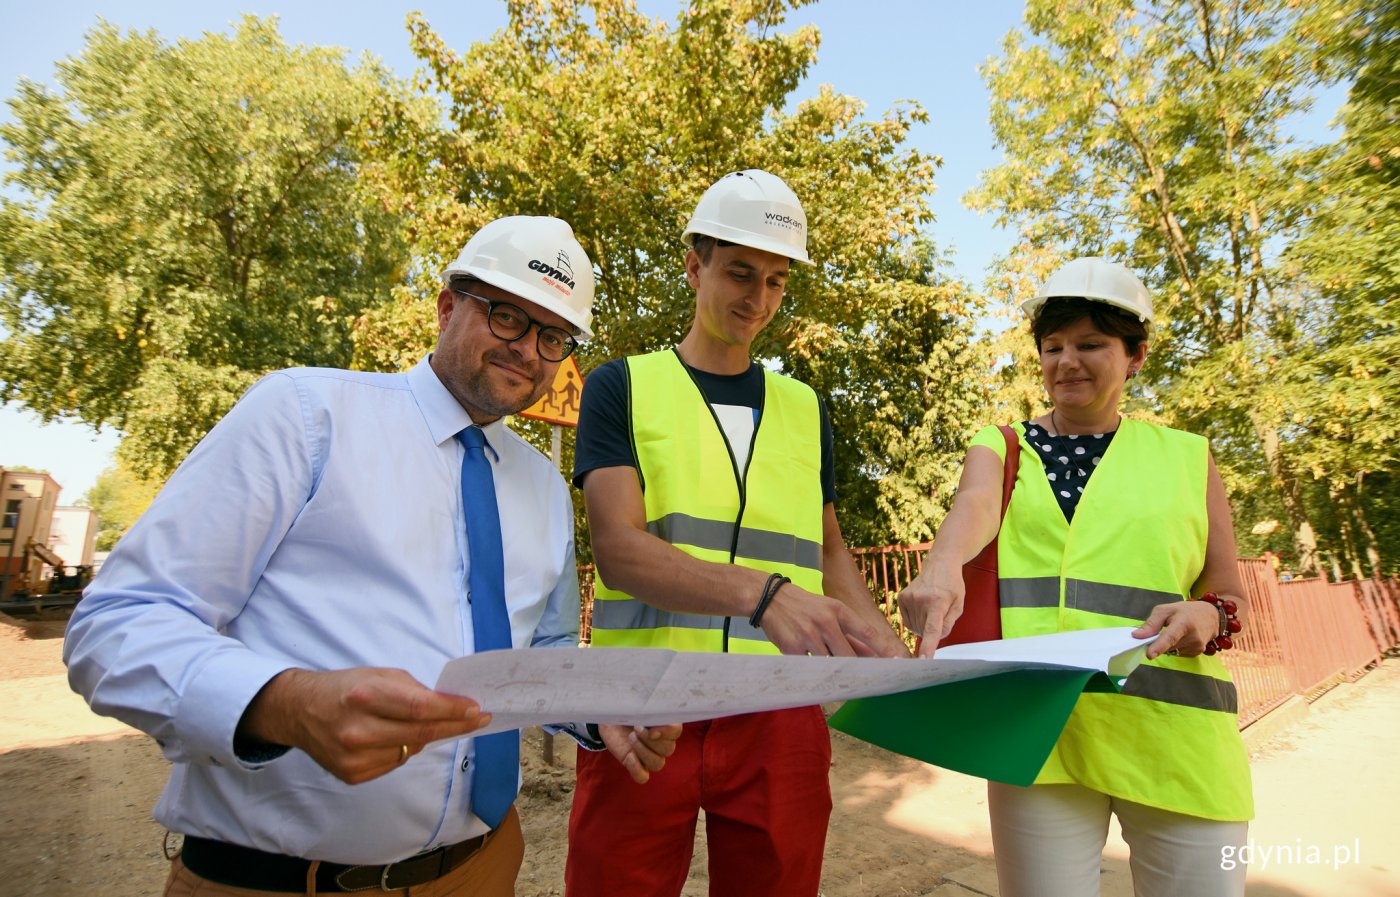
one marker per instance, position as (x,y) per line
(1112,522)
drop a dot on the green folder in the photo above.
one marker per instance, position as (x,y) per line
(999,727)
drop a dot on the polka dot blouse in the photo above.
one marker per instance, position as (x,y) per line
(1068,461)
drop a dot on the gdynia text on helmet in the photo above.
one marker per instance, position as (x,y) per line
(551,271)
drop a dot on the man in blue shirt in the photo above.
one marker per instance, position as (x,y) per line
(272,618)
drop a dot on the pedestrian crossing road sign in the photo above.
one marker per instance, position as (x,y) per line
(560,404)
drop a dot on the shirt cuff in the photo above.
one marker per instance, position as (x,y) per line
(586,734)
(214,704)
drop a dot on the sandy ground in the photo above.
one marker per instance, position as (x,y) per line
(76,792)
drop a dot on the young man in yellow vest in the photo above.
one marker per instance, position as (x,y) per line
(709,487)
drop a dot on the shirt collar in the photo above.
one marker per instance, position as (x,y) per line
(444,415)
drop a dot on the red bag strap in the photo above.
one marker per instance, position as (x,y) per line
(1009,467)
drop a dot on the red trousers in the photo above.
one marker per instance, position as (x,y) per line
(763,782)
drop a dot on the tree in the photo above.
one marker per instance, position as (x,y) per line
(119,496)
(1017,386)
(189,217)
(1348,250)
(1152,132)
(617,123)
(911,388)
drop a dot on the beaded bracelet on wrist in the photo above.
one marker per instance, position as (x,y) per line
(1229,623)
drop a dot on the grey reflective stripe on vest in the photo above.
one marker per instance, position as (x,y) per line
(1180,687)
(755,544)
(631,613)
(1081,594)
(1035,591)
(1115,601)
(739,628)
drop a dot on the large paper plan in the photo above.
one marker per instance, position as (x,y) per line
(928,700)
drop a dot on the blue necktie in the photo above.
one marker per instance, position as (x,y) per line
(498,755)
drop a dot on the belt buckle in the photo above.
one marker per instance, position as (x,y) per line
(370,884)
(415,875)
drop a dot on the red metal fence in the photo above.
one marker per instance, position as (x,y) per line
(1307,635)
(889,569)
(1264,664)
(1302,636)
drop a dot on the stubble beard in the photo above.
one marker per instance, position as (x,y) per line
(482,390)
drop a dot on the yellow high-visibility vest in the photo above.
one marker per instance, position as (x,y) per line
(1138,539)
(769,519)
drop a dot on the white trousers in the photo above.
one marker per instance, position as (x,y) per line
(1049,842)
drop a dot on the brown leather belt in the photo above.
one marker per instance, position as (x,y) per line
(244,867)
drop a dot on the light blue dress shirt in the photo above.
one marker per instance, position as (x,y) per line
(319,525)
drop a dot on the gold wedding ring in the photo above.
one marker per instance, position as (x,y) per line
(403,753)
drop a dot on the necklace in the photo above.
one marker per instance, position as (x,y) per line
(1059,438)
(1078,449)
(1068,461)
(1055,424)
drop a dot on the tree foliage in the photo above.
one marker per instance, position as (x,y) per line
(591,111)
(910,388)
(1155,132)
(119,496)
(188,217)
(1347,381)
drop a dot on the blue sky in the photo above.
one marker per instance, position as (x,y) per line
(882,51)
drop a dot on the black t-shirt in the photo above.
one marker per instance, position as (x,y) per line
(604,432)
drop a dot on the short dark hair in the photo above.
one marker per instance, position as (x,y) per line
(1062,311)
(461,282)
(704,245)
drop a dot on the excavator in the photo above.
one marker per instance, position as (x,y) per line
(63,589)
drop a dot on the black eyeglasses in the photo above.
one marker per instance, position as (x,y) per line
(510,323)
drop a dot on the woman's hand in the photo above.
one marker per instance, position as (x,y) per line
(932,603)
(1183,628)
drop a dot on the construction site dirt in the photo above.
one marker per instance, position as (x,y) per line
(76,792)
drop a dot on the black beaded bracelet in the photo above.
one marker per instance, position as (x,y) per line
(770,588)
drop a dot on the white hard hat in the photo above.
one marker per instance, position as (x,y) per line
(752,208)
(536,258)
(1099,279)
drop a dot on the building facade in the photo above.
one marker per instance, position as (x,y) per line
(74,535)
(27,503)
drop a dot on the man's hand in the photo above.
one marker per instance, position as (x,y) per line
(932,603)
(356,723)
(799,622)
(887,642)
(641,750)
